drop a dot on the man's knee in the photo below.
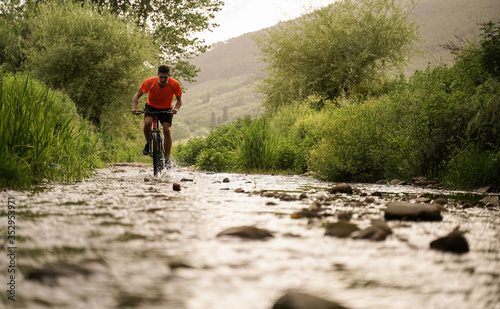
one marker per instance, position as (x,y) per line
(166,129)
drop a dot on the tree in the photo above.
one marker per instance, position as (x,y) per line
(213,122)
(172,24)
(491,47)
(94,57)
(225,117)
(340,48)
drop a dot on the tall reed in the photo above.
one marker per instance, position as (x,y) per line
(41,135)
(257,147)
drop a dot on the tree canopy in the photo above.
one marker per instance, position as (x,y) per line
(172,24)
(340,48)
(94,57)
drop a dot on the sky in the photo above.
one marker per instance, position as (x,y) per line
(238,17)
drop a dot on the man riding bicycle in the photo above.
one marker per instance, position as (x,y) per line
(161,91)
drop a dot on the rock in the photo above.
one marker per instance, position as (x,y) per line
(369,200)
(153,210)
(268,194)
(376,193)
(485,189)
(396,182)
(302,196)
(50,273)
(424,182)
(239,190)
(186,179)
(248,232)
(423,199)
(412,212)
(344,216)
(434,186)
(382,182)
(298,300)
(343,188)
(441,201)
(225,180)
(287,197)
(146,179)
(378,231)
(340,229)
(490,200)
(178,264)
(309,174)
(308,213)
(176,187)
(468,205)
(453,242)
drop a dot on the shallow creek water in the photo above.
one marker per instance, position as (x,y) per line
(133,243)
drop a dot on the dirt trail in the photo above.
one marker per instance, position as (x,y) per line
(123,239)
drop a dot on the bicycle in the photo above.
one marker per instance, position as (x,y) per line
(156,141)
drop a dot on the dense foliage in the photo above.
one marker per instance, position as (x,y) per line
(442,123)
(171,23)
(41,135)
(94,57)
(97,55)
(344,47)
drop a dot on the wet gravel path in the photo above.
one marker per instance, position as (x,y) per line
(125,240)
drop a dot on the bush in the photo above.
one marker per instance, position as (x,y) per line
(186,154)
(471,168)
(42,135)
(349,149)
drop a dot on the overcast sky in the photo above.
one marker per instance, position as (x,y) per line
(242,16)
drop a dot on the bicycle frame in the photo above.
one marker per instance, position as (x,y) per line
(156,150)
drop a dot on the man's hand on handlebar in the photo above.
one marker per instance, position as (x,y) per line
(134,111)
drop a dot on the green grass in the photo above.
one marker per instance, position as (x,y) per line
(41,135)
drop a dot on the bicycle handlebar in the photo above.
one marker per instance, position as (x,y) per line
(155,112)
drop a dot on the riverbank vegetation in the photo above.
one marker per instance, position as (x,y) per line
(345,120)
(43,136)
(72,59)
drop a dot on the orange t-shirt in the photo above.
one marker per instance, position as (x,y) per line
(158,97)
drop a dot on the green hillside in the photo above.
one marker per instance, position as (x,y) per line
(229,68)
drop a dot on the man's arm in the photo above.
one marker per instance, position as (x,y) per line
(178,104)
(135,102)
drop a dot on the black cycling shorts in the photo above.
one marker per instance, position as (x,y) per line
(163,117)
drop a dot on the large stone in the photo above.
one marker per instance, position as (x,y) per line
(485,189)
(453,242)
(490,200)
(297,300)
(340,229)
(378,231)
(343,188)
(248,232)
(412,212)
(49,274)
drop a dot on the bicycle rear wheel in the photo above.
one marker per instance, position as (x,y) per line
(157,153)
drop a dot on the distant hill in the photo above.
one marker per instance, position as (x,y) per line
(224,88)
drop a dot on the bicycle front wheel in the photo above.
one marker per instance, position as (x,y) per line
(157,153)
